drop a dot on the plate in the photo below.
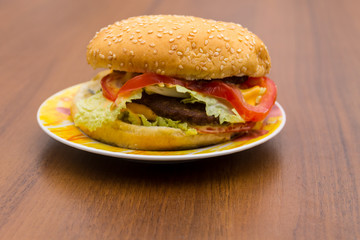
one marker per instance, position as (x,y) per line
(54,118)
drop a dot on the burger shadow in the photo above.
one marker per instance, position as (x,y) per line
(59,162)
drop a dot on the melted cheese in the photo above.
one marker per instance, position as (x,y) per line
(253,95)
(142,109)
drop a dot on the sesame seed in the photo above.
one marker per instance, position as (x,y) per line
(173,47)
(172,40)
(206,42)
(152,44)
(247,37)
(232,50)
(216,54)
(227,45)
(181,67)
(218,49)
(179,53)
(143,42)
(134,41)
(146,65)
(193,45)
(211,36)
(137,31)
(132,53)
(171,51)
(110,57)
(239,50)
(179,36)
(221,67)
(162,73)
(101,56)
(197,68)
(155,51)
(156,64)
(159,35)
(158,71)
(109,43)
(150,31)
(201,50)
(131,37)
(204,68)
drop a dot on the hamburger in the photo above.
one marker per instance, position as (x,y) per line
(174,82)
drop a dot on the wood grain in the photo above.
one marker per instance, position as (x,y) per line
(303,184)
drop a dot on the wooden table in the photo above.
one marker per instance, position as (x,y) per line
(303,184)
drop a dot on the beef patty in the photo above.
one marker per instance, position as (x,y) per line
(173,108)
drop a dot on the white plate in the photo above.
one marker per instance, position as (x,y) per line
(54,118)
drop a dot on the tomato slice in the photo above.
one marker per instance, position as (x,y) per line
(216,88)
(114,89)
(109,87)
(112,83)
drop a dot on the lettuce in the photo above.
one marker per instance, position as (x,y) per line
(96,110)
(139,119)
(213,106)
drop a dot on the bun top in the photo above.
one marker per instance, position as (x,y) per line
(179,46)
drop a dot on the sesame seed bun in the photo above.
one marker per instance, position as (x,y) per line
(131,136)
(179,46)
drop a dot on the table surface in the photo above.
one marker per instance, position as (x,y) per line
(302,184)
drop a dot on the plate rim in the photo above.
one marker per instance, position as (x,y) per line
(159,157)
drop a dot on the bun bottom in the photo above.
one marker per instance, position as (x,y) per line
(131,136)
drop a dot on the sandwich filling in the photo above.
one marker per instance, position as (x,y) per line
(209,106)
